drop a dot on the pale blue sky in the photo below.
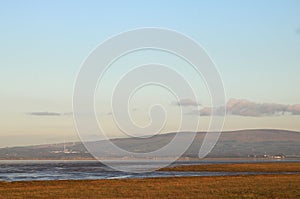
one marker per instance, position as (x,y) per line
(47,41)
(255,45)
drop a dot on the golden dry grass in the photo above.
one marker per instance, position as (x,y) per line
(241,167)
(254,186)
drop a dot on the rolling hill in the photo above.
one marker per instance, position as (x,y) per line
(232,144)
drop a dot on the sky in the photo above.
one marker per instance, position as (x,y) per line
(254,44)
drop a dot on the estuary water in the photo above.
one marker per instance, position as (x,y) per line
(28,170)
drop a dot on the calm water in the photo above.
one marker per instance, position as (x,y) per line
(80,170)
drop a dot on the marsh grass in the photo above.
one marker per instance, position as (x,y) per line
(254,186)
(241,167)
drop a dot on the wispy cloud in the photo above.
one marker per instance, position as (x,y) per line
(298,31)
(207,111)
(243,107)
(248,108)
(45,113)
(187,102)
(294,109)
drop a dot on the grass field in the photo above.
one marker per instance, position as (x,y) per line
(258,186)
(245,186)
(241,167)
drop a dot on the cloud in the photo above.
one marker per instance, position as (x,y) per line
(242,107)
(207,111)
(298,31)
(294,109)
(187,102)
(248,108)
(45,113)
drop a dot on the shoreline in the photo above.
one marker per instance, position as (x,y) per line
(234,186)
(182,169)
(133,159)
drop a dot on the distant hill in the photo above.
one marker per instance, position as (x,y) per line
(232,144)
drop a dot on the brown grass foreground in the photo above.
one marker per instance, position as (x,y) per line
(253,186)
(241,167)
